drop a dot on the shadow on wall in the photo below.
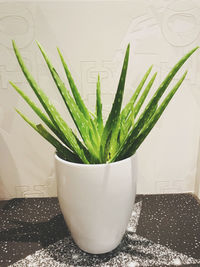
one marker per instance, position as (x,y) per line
(8,170)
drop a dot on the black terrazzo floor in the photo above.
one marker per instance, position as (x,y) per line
(164,230)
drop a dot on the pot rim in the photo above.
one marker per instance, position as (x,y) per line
(84,165)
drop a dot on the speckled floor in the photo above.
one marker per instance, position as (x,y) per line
(164,230)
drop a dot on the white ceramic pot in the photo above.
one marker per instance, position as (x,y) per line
(96,201)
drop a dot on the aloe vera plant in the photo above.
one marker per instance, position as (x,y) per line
(123,132)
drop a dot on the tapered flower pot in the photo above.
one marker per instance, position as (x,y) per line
(96,201)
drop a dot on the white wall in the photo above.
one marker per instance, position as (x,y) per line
(93,36)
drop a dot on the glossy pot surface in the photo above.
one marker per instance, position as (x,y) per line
(96,201)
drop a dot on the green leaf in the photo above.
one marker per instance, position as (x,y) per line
(126,125)
(149,110)
(145,116)
(55,117)
(39,113)
(95,137)
(144,95)
(113,145)
(81,123)
(75,92)
(127,109)
(131,149)
(99,118)
(127,115)
(122,134)
(113,117)
(65,153)
(62,150)
(127,120)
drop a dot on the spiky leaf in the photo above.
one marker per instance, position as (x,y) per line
(82,124)
(113,117)
(50,109)
(99,118)
(130,150)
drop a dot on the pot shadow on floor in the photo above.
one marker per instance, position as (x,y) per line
(55,238)
(18,239)
(45,233)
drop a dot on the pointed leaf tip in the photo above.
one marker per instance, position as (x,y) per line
(128,47)
(39,45)
(14,45)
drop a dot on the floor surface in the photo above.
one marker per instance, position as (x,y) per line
(164,230)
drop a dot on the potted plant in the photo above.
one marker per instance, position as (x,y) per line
(96,172)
